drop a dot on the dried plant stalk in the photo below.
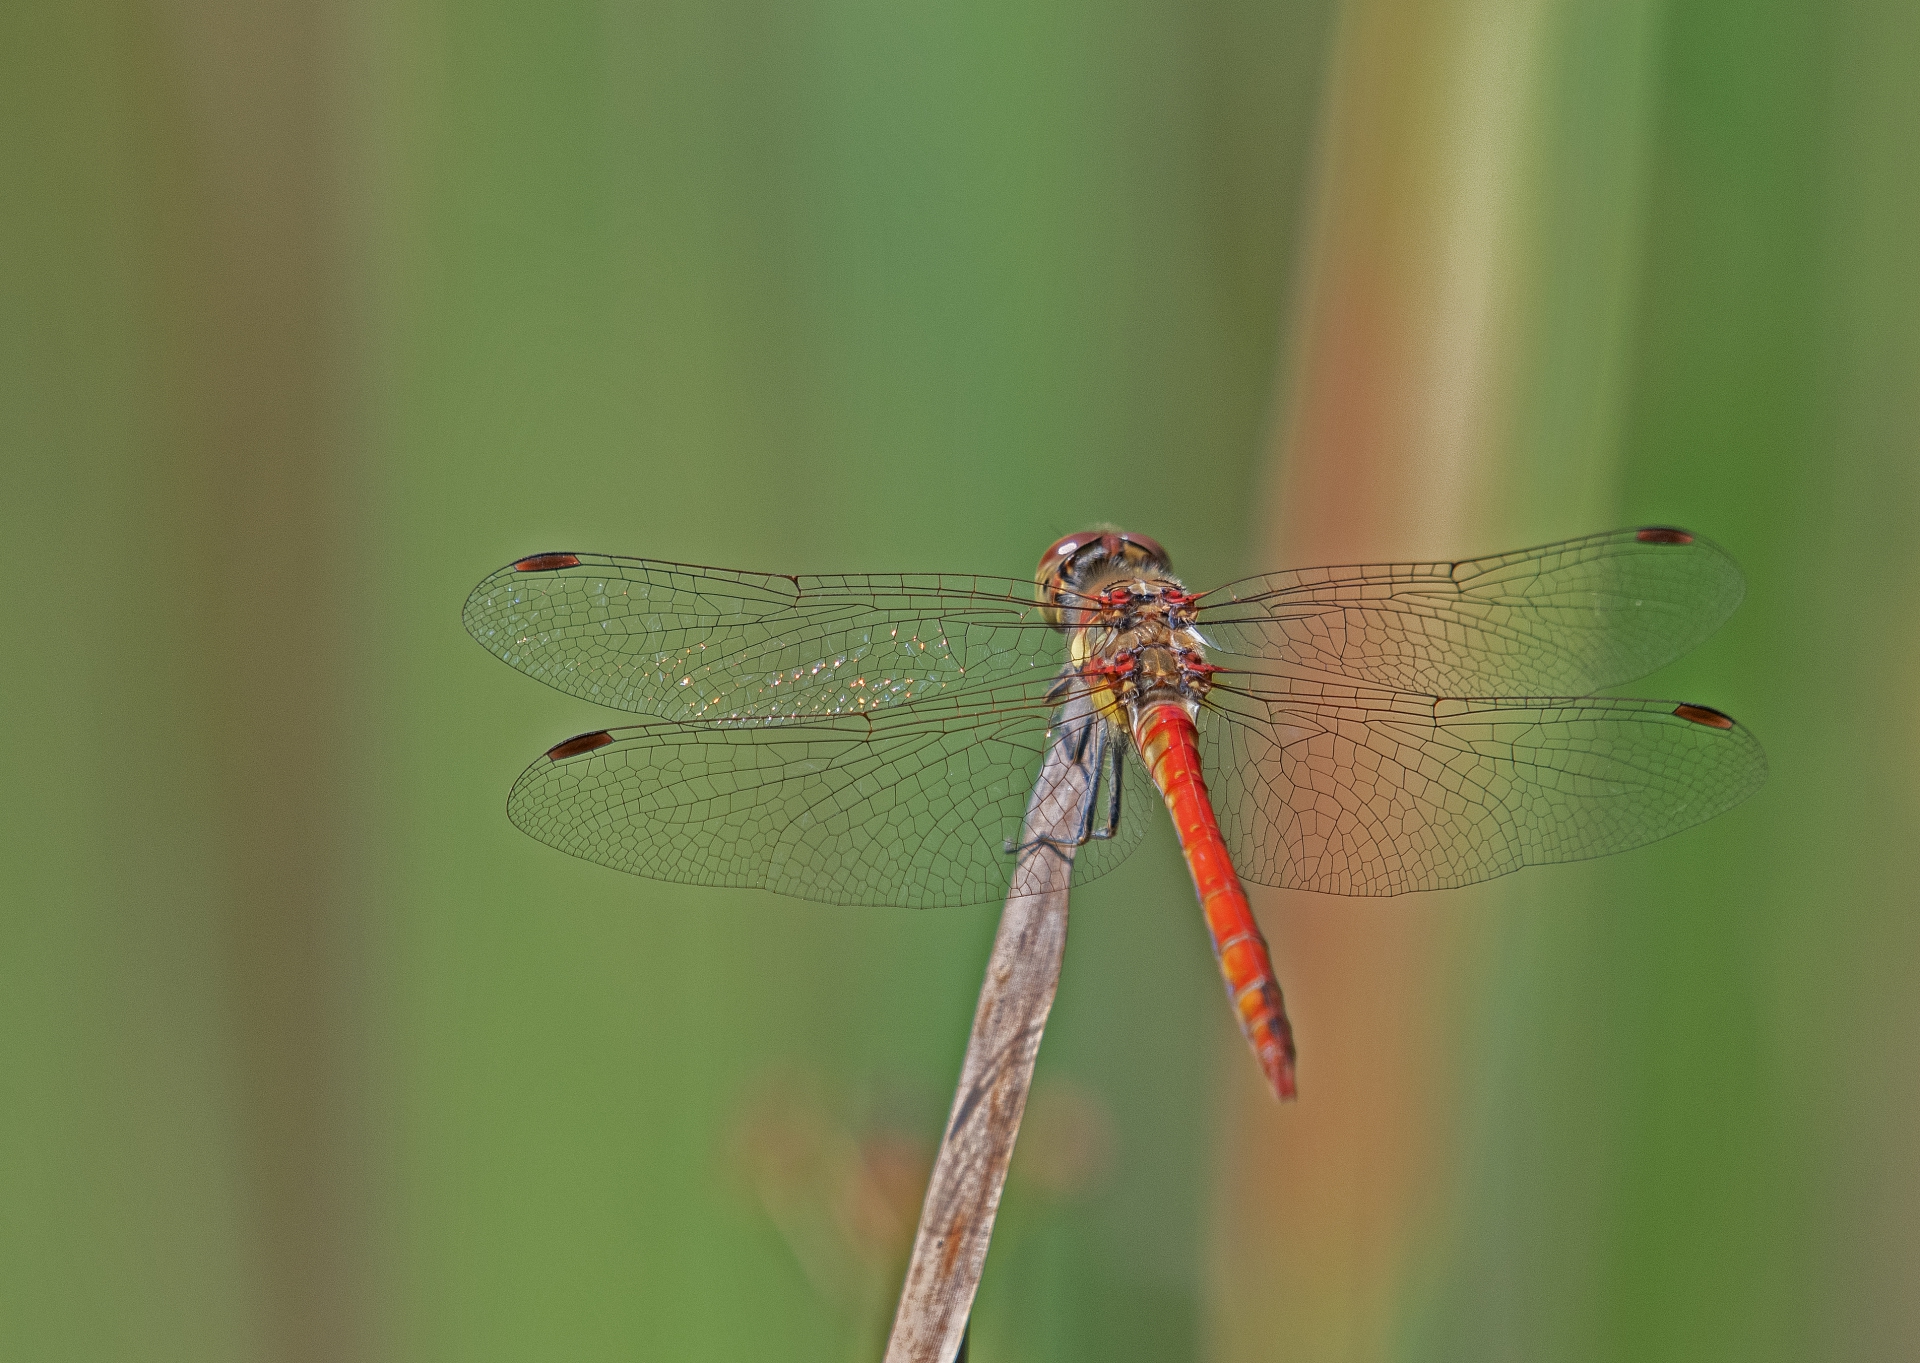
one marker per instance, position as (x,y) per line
(963,1193)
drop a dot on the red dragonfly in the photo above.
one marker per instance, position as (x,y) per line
(874,739)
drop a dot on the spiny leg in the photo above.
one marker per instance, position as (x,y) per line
(1095,728)
(1115,754)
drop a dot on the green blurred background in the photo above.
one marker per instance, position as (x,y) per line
(313,313)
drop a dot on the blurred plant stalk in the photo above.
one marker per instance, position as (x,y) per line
(1411,426)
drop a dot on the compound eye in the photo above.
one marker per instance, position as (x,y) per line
(1140,547)
(1050,578)
(1060,553)
(1056,565)
(1120,545)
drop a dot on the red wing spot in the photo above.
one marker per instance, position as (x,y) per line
(1701,714)
(1663,534)
(573,747)
(546,563)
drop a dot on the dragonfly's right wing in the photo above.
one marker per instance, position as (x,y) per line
(1352,791)
(1564,619)
(689,643)
(914,806)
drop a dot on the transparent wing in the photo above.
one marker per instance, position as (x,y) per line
(687,643)
(1353,791)
(912,807)
(1563,619)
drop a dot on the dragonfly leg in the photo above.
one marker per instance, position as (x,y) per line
(1094,728)
(1087,728)
(1115,765)
(1063,685)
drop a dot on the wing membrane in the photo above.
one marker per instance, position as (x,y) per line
(902,807)
(1563,619)
(1353,791)
(875,739)
(688,643)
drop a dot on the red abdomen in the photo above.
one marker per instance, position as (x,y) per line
(1165,736)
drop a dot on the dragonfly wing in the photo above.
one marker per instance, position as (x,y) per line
(1563,619)
(688,643)
(908,807)
(1352,791)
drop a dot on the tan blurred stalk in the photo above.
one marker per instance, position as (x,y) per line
(188,1178)
(1412,428)
(250,353)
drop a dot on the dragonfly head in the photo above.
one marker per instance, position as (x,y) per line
(1068,563)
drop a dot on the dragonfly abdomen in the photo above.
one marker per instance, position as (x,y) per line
(1165,736)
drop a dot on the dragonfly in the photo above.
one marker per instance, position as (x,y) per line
(874,739)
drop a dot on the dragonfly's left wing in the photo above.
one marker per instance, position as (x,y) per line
(912,806)
(1560,620)
(1354,791)
(683,642)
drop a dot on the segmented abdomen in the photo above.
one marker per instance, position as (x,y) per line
(1165,737)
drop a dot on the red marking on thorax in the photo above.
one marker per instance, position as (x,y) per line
(1165,736)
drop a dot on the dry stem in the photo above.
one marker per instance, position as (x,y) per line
(963,1193)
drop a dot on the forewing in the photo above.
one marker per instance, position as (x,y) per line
(1352,791)
(906,807)
(1563,619)
(682,642)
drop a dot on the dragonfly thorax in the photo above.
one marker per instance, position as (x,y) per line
(1135,645)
